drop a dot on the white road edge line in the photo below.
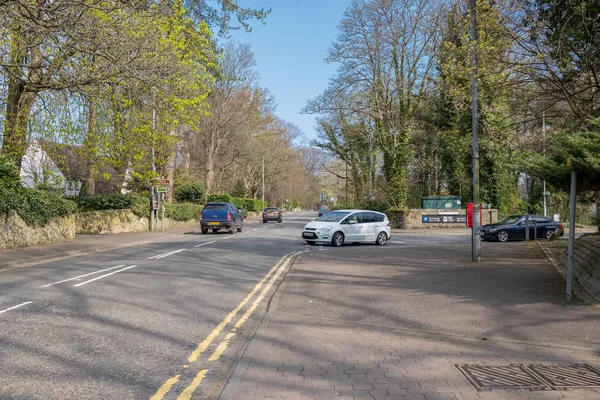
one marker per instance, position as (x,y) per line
(104,276)
(227,237)
(169,253)
(82,276)
(17,306)
(204,244)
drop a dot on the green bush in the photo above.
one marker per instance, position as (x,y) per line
(225,198)
(141,206)
(103,202)
(190,193)
(35,207)
(183,211)
(9,174)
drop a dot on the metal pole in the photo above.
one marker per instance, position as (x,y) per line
(162,198)
(544,150)
(347,176)
(475,233)
(370,166)
(526,206)
(572,216)
(153,213)
(263,180)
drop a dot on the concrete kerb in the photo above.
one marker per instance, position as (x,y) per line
(235,378)
(75,253)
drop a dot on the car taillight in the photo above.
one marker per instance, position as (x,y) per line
(200,216)
(228,216)
(388,224)
(561,225)
(264,213)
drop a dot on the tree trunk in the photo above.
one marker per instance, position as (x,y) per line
(91,148)
(18,106)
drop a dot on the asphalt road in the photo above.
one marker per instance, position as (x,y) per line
(163,320)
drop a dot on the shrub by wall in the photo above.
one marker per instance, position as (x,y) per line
(35,207)
(243,203)
(183,211)
(190,193)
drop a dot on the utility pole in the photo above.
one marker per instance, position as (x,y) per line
(544,150)
(475,232)
(263,180)
(572,217)
(370,166)
(526,206)
(347,176)
(153,222)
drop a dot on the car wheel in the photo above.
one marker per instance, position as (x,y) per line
(280,220)
(549,233)
(204,231)
(311,242)
(232,229)
(241,227)
(264,221)
(337,240)
(381,239)
(502,236)
(215,230)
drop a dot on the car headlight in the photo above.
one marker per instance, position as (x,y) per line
(325,229)
(491,230)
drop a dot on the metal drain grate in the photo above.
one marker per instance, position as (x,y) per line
(531,377)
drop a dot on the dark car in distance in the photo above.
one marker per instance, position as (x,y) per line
(514,227)
(272,214)
(217,215)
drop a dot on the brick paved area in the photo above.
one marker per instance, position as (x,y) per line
(366,323)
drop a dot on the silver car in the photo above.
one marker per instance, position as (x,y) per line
(348,226)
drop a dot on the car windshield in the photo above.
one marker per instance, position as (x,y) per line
(334,216)
(215,207)
(511,220)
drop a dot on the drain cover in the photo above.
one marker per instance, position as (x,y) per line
(531,377)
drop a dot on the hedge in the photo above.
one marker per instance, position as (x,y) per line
(183,211)
(35,207)
(103,202)
(190,193)
(243,203)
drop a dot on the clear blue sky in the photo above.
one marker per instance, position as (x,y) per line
(290,49)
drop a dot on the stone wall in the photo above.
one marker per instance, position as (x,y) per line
(14,232)
(413,219)
(586,263)
(121,221)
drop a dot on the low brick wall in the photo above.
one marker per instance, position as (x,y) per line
(14,232)
(586,263)
(121,221)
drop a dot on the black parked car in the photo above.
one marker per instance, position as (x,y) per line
(513,228)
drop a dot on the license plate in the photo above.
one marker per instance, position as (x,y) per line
(214,223)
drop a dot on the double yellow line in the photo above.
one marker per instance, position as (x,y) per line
(273,274)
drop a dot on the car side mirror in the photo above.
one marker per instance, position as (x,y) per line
(352,222)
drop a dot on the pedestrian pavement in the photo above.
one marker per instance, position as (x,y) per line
(82,244)
(365,322)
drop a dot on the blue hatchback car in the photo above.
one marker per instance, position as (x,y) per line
(513,228)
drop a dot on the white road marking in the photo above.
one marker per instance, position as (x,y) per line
(227,237)
(170,253)
(254,230)
(395,241)
(104,276)
(17,306)
(82,276)
(204,244)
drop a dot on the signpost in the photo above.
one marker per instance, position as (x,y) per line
(158,188)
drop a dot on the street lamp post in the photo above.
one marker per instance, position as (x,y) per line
(263,180)
(475,233)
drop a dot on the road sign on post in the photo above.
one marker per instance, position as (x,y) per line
(162,189)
